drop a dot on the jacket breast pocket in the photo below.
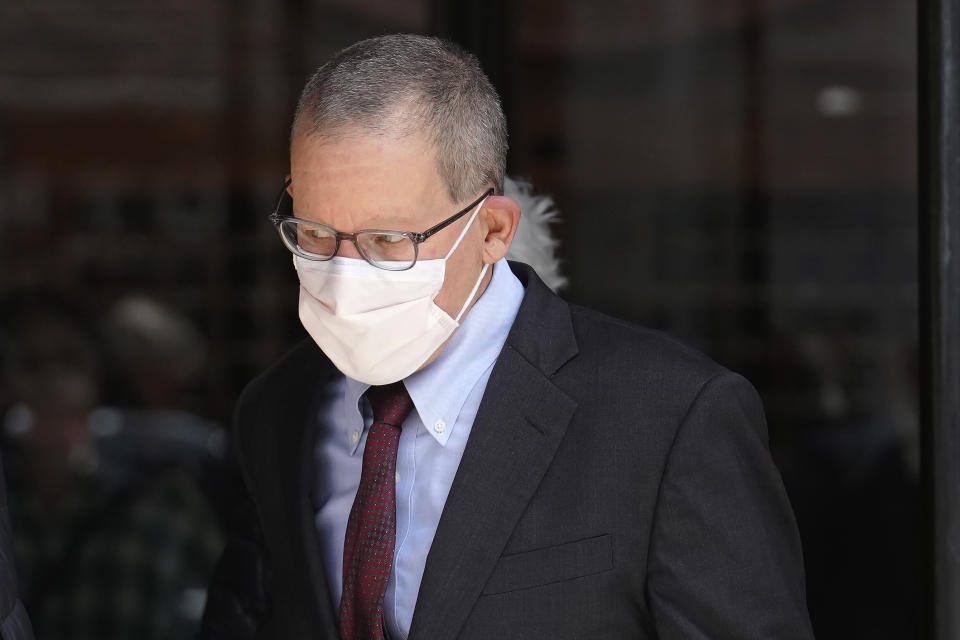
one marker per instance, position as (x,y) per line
(551,564)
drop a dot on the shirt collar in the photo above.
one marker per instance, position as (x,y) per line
(440,389)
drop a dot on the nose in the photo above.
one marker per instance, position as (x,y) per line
(348,249)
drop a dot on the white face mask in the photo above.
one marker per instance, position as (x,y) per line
(378,326)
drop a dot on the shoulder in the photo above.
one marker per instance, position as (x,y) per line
(302,363)
(632,375)
(637,352)
(593,356)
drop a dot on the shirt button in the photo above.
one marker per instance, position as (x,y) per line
(354,436)
(396,477)
(439,426)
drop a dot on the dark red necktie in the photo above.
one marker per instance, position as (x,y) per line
(372,527)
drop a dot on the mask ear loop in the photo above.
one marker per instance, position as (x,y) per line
(473,292)
(476,285)
(465,229)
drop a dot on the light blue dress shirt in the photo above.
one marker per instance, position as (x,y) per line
(446,395)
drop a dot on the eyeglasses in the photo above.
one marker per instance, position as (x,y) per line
(384,249)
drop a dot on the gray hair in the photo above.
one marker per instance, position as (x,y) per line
(400,84)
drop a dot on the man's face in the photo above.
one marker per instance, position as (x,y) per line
(356,180)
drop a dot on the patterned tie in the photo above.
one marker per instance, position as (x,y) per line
(372,527)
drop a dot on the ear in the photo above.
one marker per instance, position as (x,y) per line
(500,215)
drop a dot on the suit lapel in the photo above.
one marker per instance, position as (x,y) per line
(303,398)
(519,425)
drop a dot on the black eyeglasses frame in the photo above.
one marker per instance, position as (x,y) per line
(417,238)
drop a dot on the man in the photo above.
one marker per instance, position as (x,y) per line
(458,453)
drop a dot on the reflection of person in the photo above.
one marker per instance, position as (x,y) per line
(158,353)
(110,544)
(465,454)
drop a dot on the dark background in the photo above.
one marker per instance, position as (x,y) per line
(739,173)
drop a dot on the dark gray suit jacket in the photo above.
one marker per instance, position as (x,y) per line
(14,623)
(615,485)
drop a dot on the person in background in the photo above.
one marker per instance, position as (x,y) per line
(156,357)
(456,452)
(108,548)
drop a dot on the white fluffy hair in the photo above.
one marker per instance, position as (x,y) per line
(533,242)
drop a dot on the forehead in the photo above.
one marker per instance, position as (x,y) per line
(356,179)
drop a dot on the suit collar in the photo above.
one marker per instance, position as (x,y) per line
(543,331)
(519,426)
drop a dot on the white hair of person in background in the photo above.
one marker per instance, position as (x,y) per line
(533,243)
